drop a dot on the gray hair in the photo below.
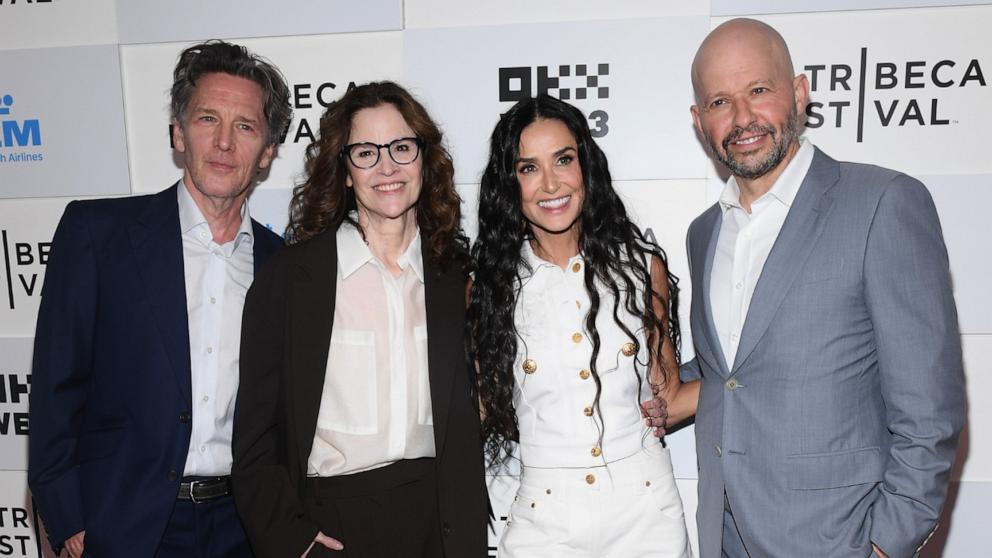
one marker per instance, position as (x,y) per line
(227,58)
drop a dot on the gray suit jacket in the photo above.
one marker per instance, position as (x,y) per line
(838,423)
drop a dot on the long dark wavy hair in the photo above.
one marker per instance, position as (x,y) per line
(324,201)
(616,253)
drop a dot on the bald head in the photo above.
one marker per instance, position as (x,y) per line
(746,38)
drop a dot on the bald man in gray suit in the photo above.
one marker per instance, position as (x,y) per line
(824,327)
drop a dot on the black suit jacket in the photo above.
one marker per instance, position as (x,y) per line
(110,396)
(286,334)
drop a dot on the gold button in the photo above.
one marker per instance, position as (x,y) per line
(732,384)
(596,452)
(576,267)
(587,411)
(576,337)
(529,366)
(590,479)
(578,304)
(628,349)
(584,374)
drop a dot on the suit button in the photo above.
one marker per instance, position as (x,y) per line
(184,417)
(576,337)
(732,384)
(576,267)
(173,475)
(530,366)
(590,479)
(628,349)
(596,452)
(584,374)
(719,451)
(446,530)
(587,411)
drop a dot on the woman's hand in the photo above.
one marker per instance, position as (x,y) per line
(655,411)
(323,539)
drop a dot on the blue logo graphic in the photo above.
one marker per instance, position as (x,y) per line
(17,133)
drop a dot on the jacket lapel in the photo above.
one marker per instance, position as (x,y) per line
(705,246)
(311,317)
(444,299)
(156,242)
(799,233)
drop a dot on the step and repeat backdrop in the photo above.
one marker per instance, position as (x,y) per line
(899,83)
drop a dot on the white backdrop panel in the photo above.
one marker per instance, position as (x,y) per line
(963,530)
(967,232)
(53,23)
(148,21)
(61,123)
(270,207)
(15,387)
(743,7)
(318,69)
(924,77)
(18,535)
(629,76)
(975,451)
(26,229)
(444,13)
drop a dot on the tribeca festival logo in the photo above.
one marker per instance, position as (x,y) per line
(578,82)
(23,267)
(23,2)
(893,93)
(305,96)
(17,136)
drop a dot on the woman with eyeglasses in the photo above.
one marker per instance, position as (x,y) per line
(573,318)
(355,433)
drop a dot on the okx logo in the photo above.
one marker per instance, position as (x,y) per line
(17,134)
(568,82)
(887,93)
(24,264)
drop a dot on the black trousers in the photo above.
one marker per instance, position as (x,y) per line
(390,512)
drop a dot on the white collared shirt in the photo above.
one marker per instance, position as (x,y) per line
(744,243)
(217,279)
(554,389)
(375,407)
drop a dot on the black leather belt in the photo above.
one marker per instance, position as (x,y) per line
(205,489)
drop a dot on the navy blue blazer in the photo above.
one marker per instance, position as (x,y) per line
(110,399)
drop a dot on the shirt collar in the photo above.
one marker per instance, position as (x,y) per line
(191,218)
(785,188)
(353,252)
(535,262)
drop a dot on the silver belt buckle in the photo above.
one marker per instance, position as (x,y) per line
(192,490)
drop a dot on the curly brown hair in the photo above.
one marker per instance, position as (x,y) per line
(324,201)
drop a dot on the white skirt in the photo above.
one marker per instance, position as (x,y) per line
(629,508)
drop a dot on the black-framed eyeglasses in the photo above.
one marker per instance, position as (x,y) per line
(365,155)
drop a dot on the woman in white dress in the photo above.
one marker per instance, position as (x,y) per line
(573,319)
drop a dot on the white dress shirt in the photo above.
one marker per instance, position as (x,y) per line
(217,279)
(554,389)
(743,245)
(375,408)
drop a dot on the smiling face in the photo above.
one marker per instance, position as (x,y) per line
(748,102)
(387,191)
(550,176)
(223,136)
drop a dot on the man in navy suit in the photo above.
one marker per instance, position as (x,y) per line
(136,353)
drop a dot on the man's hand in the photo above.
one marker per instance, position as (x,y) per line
(655,411)
(74,544)
(878,551)
(323,539)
